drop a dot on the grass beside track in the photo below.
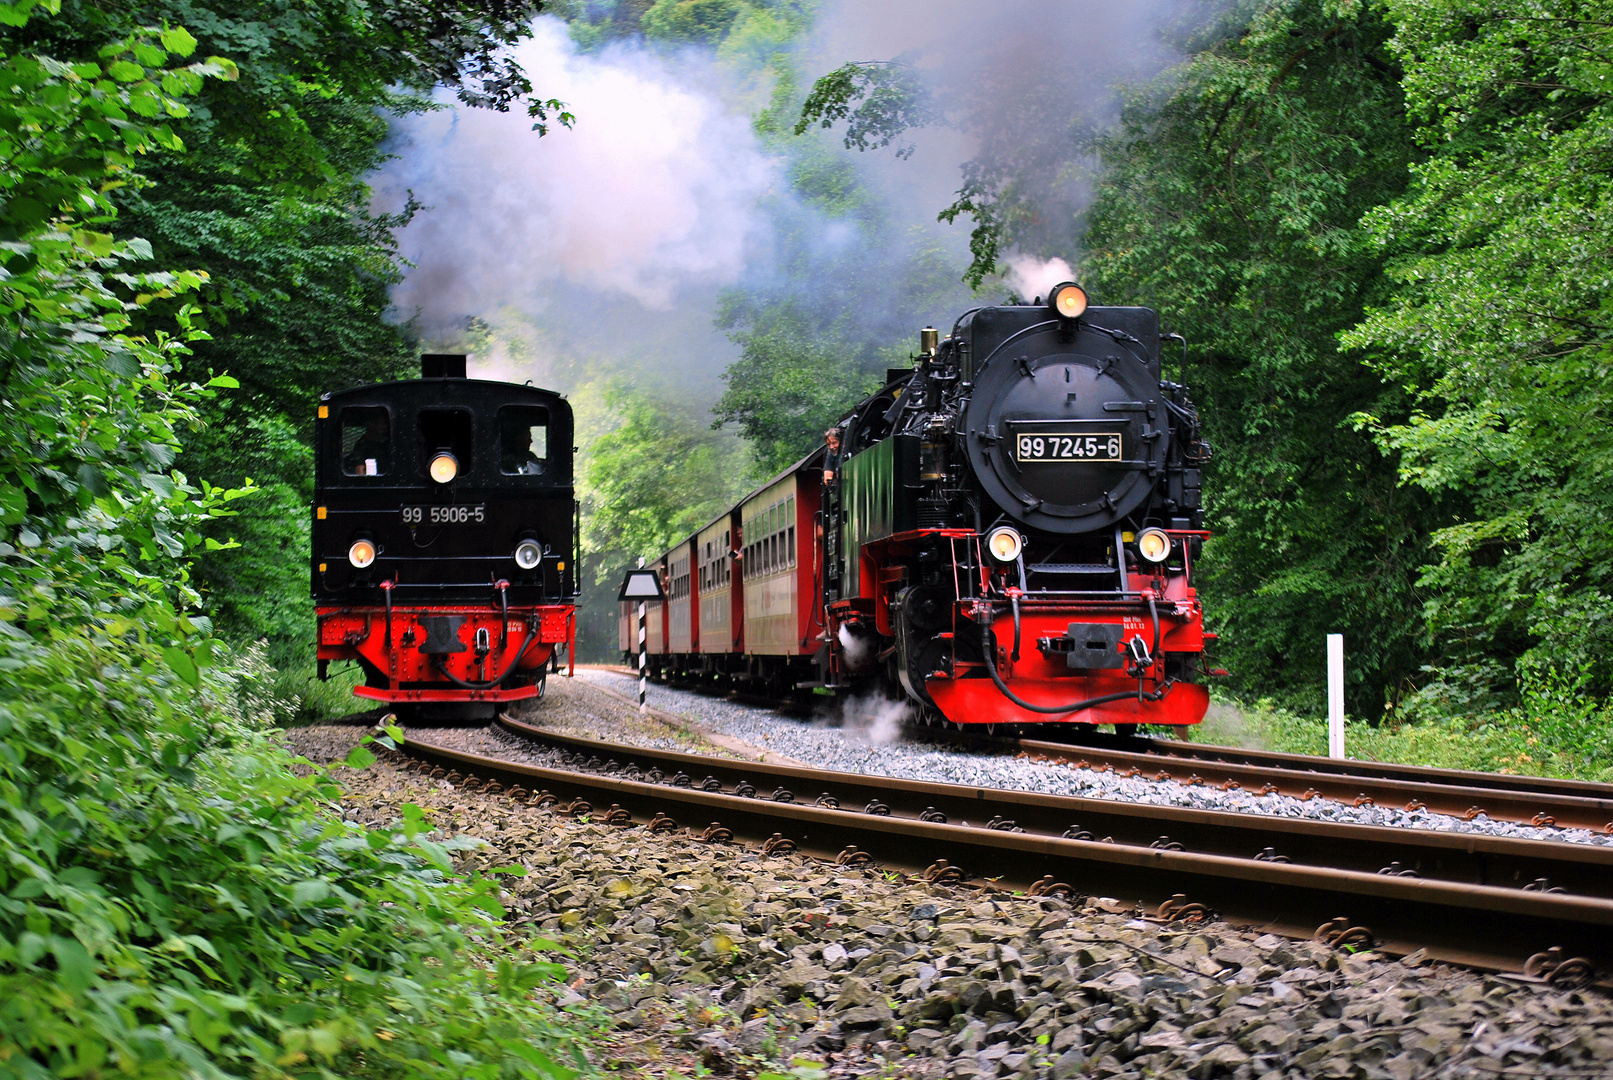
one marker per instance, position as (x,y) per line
(1514,742)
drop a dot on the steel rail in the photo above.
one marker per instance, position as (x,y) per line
(1559,804)
(1462,857)
(1527,800)
(1484,926)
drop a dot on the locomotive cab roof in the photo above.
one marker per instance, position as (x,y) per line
(504,435)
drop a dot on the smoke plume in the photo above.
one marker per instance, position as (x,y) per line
(1032,277)
(652,194)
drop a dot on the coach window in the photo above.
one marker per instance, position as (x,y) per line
(445,429)
(366,441)
(523,440)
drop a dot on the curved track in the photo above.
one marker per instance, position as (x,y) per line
(1476,900)
(1530,800)
(1538,801)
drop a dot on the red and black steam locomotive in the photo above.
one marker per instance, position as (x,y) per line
(1004,534)
(444,539)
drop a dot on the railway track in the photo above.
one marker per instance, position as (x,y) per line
(1540,801)
(1537,907)
(1543,802)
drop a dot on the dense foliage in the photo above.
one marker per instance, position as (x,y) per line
(174,901)
(1499,326)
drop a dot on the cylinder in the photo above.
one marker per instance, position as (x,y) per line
(929,338)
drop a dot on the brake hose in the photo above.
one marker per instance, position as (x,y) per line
(465,684)
(989,649)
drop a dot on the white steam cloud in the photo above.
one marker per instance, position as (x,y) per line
(874,718)
(652,192)
(1032,277)
(854,647)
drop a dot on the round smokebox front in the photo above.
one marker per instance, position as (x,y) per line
(1068,442)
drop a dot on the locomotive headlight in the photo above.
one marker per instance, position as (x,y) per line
(528,554)
(1068,301)
(444,467)
(362,553)
(1005,543)
(1153,545)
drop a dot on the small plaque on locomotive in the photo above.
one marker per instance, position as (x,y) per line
(444,515)
(1067,446)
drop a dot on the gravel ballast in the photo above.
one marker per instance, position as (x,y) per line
(718,958)
(866,737)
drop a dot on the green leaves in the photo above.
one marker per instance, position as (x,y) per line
(177,40)
(1499,325)
(162,867)
(180,662)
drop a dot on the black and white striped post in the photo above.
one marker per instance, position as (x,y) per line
(643,585)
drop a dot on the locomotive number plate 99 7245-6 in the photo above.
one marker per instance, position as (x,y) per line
(444,515)
(1055,446)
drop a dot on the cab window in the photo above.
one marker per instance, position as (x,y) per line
(445,429)
(366,441)
(523,440)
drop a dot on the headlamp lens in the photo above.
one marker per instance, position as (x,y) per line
(1153,545)
(444,467)
(1005,543)
(528,554)
(1068,300)
(361,554)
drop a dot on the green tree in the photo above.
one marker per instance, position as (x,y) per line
(655,471)
(174,900)
(270,202)
(1501,324)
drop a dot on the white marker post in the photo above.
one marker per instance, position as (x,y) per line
(642,585)
(1335,696)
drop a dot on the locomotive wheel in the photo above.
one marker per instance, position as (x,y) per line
(1126,731)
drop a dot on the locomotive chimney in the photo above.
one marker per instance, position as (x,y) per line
(441,365)
(929,338)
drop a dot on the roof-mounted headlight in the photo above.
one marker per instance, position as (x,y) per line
(444,467)
(1154,545)
(1005,543)
(1068,300)
(362,553)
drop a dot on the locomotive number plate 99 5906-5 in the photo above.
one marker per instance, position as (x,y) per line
(444,515)
(1055,446)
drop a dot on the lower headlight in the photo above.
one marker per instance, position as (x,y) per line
(1154,545)
(1005,543)
(362,553)
(528,554)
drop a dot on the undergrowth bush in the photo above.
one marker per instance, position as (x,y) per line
(176,902)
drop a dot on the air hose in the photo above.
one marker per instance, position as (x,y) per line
(988,648)
(491,684)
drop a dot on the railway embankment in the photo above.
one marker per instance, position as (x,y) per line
(717,956)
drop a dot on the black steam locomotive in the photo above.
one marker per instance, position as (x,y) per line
(1005,533)
(1013,525)
(444,538)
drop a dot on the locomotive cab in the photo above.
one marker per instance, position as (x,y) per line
(444,538)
